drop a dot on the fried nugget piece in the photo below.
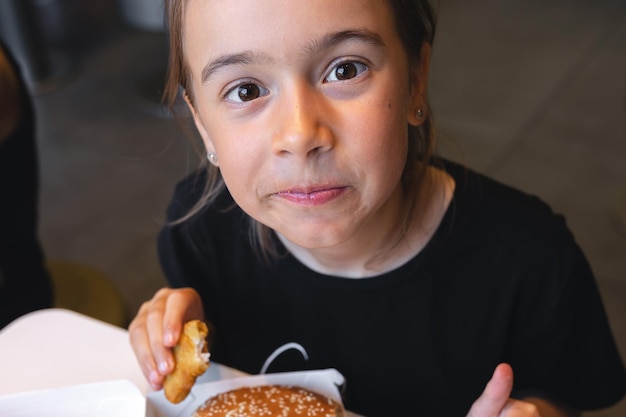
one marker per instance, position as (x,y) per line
(191,356)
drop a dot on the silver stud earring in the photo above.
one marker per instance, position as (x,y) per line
(212,158)
(419,113)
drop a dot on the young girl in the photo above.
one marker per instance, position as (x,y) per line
(323,221)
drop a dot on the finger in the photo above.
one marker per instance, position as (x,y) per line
(141,347)
(162,354)
(174,318)
(496,394)
(182,305)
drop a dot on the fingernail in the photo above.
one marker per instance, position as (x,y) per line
(164,367)
(153,378)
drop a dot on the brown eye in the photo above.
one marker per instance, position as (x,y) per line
(346,71)
(248,92)
(245,92)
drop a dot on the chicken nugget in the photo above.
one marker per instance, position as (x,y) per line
(191,358)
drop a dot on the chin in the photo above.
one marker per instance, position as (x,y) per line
(316,237)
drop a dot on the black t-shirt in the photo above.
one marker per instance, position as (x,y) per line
(502,280)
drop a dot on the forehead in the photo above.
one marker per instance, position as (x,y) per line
(279,27)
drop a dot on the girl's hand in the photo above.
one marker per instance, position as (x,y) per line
(157,327)
(495,400)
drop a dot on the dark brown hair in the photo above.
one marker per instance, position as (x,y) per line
(415,23)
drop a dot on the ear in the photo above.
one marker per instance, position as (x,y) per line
(419,83)
(208,143)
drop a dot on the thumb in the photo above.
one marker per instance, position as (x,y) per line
(496,393)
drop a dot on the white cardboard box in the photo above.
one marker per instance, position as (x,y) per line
(123,399)
(102,399)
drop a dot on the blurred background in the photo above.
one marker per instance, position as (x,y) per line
(530,92)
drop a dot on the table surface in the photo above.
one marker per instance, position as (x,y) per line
(57,348)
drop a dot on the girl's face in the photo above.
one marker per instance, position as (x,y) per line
(305,104)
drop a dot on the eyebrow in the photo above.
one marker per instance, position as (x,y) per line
(336,38)
(246,57)
(315,46)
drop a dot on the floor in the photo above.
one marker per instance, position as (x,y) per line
(530,92)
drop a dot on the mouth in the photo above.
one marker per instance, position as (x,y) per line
(311,196)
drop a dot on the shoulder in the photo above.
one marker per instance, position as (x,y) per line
(492,225)
(189,198)
(195,222)
(485,203)
(187,193)
(198,238)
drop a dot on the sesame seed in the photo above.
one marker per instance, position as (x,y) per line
(269,400)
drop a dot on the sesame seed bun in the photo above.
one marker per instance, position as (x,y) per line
(270,400)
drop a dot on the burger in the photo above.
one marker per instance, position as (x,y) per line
(270,400)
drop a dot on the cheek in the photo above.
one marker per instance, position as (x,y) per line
(387,149)
(383,134)
(238,146)
(241,163)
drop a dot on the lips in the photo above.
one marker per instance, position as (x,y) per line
(311,196)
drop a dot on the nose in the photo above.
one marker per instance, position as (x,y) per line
(301,123)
